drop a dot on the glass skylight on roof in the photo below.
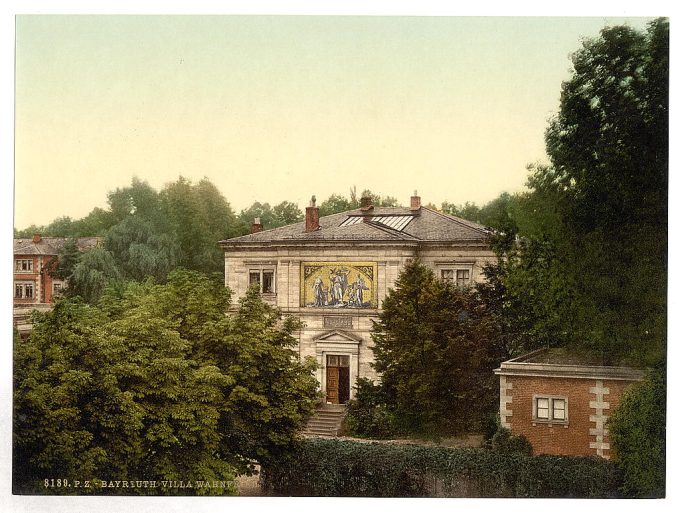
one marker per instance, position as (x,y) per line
(395,222)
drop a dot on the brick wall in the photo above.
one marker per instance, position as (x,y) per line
(590,402)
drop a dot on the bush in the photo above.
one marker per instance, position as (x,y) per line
(331,467)
(504,442)
(367,415)
(638,434)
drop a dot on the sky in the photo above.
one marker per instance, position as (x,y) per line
(274,108)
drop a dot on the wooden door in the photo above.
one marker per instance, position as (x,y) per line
(332,384)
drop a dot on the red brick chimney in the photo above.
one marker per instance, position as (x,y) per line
(312,216)
(256,226)
(37,238)
(415,201)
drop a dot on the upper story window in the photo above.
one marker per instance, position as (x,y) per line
(458,277)
(264,278)
(550,409)
(23,265)
(23,290)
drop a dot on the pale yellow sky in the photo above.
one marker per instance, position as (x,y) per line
(274,108)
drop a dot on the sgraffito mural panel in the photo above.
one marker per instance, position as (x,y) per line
(339,284)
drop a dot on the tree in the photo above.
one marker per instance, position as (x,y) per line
(287,213)
(609,151)
(638,434)
(67,258)
(197,217)
(589,270)
(435,347)
(157,383)
(93,272)
(140,251)
(335,204)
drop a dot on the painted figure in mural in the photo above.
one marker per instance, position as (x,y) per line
(339,285)
(319,297)
(359,287)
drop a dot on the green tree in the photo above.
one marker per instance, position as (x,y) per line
(67,258)
(638,434)
(157,383)
(335,204)
(197,217)
(590,267)
(139,251)
(93,272)
(609,151)
(436,348)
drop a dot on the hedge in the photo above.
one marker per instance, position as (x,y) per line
(342,468)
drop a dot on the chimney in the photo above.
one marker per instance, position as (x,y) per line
(312,216)
(415,201)
(37,238)
(256,226)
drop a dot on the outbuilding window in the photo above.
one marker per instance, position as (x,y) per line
(550,409)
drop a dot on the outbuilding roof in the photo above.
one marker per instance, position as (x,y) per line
(376,224)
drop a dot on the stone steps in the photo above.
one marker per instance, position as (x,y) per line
(326,421)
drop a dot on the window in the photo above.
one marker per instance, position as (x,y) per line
(23,290)
(550,409)
(24,265)
(463,277)
(264,278)
(57,288)
(337,360)
(458,277)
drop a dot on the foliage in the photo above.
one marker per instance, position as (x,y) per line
(140,251)
(504,442)
(638,433)
(608,186)
(367,414)
(92,273)
(156,384)
(338,203)
(69,255)
(280,215)
(328,467)
(435,347)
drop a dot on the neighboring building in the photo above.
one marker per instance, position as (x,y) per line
(561,401)
(33,285)
(334,272)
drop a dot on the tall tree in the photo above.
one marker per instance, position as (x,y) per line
(436,347)
(592,269)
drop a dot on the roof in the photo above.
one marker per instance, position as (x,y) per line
(51,245)
(378,224)
(561,362)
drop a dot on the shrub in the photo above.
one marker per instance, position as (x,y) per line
(638,433)
(504,442)
(367,415)
(331,467)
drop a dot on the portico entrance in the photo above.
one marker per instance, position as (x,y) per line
(337,379)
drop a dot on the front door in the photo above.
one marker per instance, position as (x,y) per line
(337,379)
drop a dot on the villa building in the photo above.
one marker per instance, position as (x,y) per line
(334,272)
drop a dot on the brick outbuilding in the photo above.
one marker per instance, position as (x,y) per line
(561,401)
